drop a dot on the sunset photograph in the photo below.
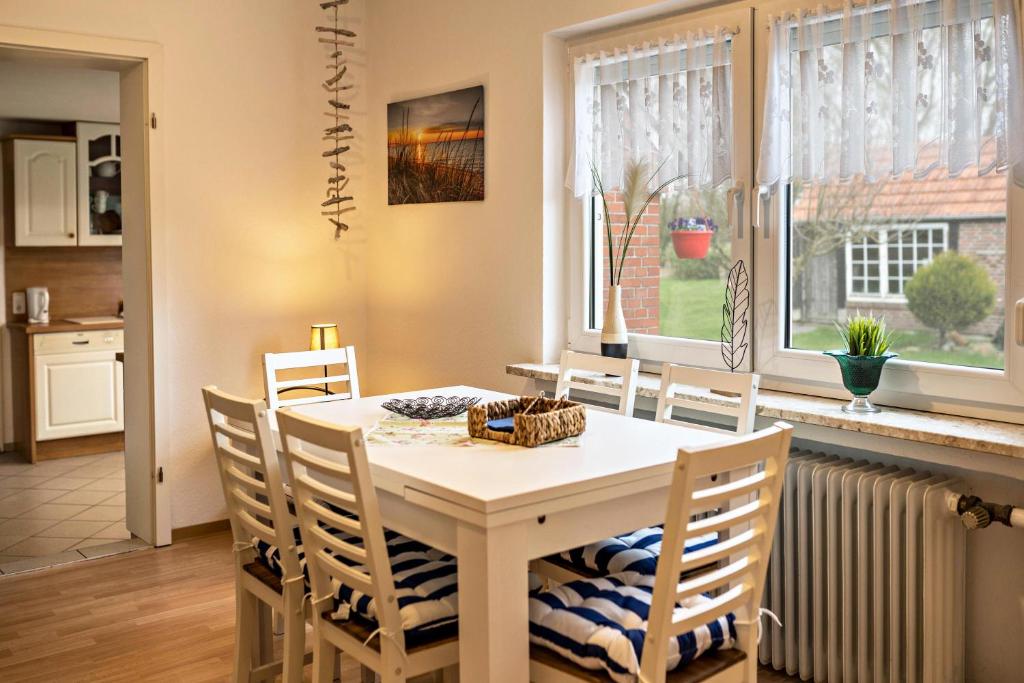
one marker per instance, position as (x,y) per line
(436,148)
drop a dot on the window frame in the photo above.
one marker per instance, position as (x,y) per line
(586,253)
(958,390)
(976,392)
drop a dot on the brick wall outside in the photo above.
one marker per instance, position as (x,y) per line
(986,243)
(641,273)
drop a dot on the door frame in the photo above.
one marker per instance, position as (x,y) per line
(144,259)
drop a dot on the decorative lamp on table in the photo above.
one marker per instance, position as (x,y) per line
(323,336)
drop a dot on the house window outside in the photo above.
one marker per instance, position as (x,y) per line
(879,264)
(858,246)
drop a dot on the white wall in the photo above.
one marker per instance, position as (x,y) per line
(54,93)
(251,260)
(458,290)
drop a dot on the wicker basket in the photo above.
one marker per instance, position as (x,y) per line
(549,419)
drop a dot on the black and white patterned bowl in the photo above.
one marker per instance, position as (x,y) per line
(430,407)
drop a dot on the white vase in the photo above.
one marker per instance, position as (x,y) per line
(614,335)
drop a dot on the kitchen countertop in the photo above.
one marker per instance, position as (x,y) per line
(64,326)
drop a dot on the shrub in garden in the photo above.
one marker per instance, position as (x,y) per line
(951,293)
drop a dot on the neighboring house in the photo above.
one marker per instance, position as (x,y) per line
(897,227)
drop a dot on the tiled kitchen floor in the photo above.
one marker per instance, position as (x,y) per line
(60,511)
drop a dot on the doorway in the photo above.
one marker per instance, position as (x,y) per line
(135,66)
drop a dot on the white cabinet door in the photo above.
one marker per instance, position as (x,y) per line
(45,193)
(78,394)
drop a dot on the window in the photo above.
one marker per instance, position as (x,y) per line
(883,260)
(674,275)
(889,132)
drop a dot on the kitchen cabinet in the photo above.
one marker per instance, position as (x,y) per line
(99,184)
(41,185)
(78,384)
(67,387)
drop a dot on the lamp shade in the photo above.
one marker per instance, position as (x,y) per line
(323,336)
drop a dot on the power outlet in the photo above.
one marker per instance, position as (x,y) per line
(18,303)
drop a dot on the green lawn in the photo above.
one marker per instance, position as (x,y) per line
(693,309)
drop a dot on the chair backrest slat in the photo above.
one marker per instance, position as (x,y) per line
(340,460)
(742,407)
(572,363)
(731,600)
(744,540)
(276,363)
(250,475)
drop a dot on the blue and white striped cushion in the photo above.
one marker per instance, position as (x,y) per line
(635,552)
(426,581)
(601,624)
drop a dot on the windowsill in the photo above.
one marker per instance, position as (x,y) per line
(984,436)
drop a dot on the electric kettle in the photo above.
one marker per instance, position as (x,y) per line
(37,300)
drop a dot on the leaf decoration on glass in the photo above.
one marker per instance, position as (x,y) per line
(337,38)
(734,316)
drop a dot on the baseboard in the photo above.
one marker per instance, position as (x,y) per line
(205,529)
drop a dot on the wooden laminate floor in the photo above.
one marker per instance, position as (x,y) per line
(152,615)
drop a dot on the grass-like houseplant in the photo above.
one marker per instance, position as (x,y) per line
(867,344)
(637,195)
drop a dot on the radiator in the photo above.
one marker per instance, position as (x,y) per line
(866,574)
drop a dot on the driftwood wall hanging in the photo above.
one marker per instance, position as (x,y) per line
(340,135)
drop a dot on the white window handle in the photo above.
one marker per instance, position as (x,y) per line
(764,209)
(1018,322)
(734,199)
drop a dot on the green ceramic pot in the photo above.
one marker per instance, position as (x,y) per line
(861,375)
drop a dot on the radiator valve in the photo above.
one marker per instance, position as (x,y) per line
(977,514)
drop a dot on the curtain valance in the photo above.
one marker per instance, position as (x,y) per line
(884,88)
(667,103)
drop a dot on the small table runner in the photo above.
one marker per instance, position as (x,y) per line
(398,430)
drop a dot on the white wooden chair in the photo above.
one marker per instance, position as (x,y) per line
(734,587)
(743,383)
(318,455)
(572,565)
(258,511)
(574,363)
(298,361)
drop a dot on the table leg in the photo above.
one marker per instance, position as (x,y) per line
(494,623)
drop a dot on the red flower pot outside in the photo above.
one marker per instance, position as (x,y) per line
(691,243)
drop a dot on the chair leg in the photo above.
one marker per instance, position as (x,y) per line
(295,646)
(366,675)
(264,633)
(246,624)
(325,657)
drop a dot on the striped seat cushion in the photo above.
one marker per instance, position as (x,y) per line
(635,552)
(600,624)
(426,582)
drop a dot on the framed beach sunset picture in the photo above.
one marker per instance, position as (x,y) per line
(436,148)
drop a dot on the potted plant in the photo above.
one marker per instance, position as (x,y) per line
(691,237)
(636,196)
(867,350)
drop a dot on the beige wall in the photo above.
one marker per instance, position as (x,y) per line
(458,290)
(251,261)
(55,93)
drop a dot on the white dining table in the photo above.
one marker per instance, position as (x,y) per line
(496,507)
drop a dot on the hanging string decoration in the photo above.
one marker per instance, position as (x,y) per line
(340,135)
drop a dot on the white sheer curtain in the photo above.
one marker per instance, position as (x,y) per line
(884,88)
(668,103)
